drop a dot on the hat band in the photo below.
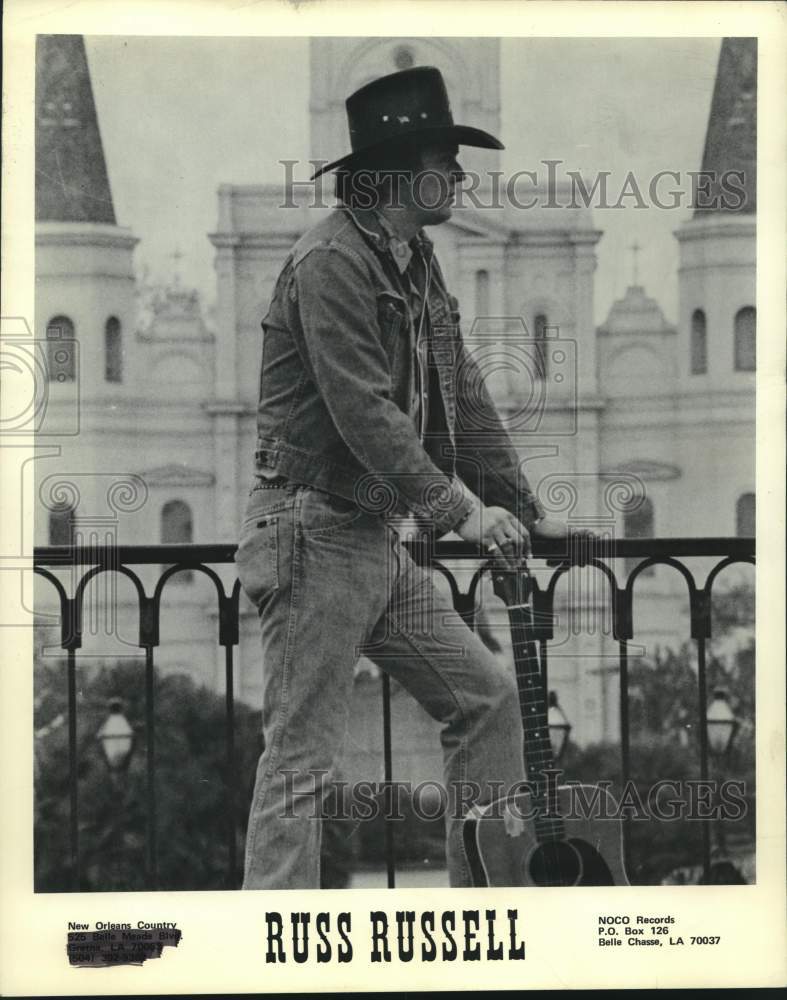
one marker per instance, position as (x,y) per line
(388,125)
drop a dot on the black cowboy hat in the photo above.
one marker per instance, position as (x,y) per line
(411,103)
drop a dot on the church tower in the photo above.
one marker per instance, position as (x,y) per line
(84,275)
(85,306)
(716,357)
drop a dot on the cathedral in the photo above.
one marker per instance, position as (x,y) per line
(635,428)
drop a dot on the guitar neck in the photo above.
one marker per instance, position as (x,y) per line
(532,696)
(538,755)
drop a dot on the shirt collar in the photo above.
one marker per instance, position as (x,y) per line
(379,231)
(400,250)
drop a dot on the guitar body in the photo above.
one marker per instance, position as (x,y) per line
(503,849)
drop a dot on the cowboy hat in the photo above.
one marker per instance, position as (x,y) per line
(410,104)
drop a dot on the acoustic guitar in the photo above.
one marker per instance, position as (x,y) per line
(545,835)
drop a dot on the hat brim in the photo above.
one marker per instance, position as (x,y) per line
(461,135)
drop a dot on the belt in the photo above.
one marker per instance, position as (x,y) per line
(263,483)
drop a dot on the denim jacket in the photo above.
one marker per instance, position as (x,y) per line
(336,376)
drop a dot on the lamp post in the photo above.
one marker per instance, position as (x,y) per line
(722,724)
(722,727)
(559,726)
(116,738)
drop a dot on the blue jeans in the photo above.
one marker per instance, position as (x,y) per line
(332,582)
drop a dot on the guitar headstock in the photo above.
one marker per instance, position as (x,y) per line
(512,586)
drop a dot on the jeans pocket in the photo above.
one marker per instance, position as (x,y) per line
(257,558)
(324,512)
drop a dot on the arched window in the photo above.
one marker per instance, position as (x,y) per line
(61,526)
(540,333)
(699,343)
(746,339)
(60,350)
(177,529)
(638,523)
(745,519)
(113,350)
(482,293)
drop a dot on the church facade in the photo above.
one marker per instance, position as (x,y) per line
(621,428)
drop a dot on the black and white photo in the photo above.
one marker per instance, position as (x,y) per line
(388,427)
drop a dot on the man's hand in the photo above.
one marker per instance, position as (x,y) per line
(549,529)
(500,533)
(576,543)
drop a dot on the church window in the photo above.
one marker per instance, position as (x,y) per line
(746,339)
(699,343)
(540,331)
(60,350)
(113,350)
(177,529)
(638,523)
(745,516)
(61,525)
(482,293)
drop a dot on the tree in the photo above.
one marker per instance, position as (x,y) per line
(664,723)
(663,689)
(191,775)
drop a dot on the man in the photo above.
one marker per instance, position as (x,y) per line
(371,408)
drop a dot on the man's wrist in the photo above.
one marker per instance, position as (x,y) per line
(464,518)
(471,505)
(531,511)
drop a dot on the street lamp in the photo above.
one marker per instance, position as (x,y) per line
(722,727)
(116,737)
(722,724)
(559,726)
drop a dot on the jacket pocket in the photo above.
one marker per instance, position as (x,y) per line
(257,557)
(392,320)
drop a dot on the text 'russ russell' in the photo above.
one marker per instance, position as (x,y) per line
(403,935)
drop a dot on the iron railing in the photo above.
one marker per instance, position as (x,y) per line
(118,559)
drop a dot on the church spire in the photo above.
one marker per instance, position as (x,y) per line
(731,139)
(72,184)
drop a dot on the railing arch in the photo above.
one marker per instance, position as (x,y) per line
(120,558)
